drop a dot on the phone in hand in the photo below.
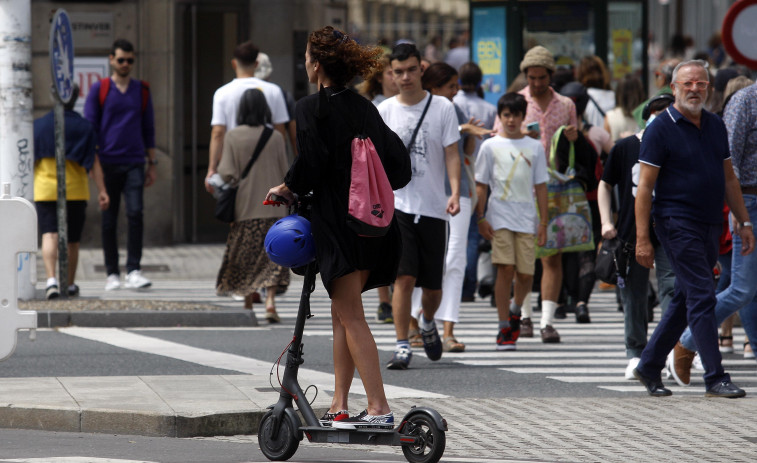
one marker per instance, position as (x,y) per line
(533,126)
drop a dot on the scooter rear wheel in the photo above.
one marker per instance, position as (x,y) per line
(432,440)
(285,445)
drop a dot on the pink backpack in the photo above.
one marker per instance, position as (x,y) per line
(371,199)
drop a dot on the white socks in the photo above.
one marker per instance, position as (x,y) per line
(547,313)
(526,309)
(51,281)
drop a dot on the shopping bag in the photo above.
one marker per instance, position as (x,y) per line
(569,216)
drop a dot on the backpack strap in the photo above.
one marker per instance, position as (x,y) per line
(267,131)
(105,88)
(420,121)
(145,95)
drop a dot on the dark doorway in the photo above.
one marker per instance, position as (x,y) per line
(208,33)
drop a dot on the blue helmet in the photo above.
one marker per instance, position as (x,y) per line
(290,243)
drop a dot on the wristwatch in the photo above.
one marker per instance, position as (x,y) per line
(746,224)
(152,162)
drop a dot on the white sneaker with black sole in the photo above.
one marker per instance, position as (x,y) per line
(366,421)
(135,280)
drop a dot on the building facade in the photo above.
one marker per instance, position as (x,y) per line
(184,49)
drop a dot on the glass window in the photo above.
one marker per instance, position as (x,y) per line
(564,28)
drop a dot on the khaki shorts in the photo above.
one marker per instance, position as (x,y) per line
(514,248)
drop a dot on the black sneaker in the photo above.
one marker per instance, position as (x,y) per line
(364,420)
(432,343)
(51,292)
(328,418)
(505,339)
(73,290)
(384,314)
(725,389)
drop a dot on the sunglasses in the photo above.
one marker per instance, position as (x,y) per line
(125,60)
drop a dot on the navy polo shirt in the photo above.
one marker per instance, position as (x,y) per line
(691,181)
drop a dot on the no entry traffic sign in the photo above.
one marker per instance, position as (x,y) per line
(740,34)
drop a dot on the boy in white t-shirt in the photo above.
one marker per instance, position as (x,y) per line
(513,166)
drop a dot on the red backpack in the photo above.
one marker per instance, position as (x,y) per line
(105,88)
(371,198)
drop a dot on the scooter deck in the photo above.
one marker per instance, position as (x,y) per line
(324,434)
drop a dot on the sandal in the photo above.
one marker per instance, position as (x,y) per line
(748,352)
(271,315)
(451,345)
(415,338)
(726,344)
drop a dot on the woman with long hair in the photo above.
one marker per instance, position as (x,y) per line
(349,264)
(619,121)
(246,267)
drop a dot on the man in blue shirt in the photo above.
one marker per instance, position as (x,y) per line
(120,109)
(686,149)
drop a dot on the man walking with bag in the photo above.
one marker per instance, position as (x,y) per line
(429,128)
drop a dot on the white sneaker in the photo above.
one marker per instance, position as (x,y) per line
(135,280)
(697,363)
(113,282)
(632,364)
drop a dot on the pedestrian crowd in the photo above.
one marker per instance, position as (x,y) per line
(523,192)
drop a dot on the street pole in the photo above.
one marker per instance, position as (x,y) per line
(16,118)
(60,161)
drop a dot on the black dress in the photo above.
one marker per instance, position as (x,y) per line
(326,124)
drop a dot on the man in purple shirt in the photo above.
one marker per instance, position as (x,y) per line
(120,108)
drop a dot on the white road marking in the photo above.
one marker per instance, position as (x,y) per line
(149,345)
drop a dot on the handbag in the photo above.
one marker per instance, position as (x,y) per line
(611,265)
(227,199)
(569,216)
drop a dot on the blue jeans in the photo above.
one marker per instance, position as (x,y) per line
(692,248)
(127,180)
(634,298)
(741,294)
(470,281)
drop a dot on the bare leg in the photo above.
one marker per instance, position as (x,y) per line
(383,294)
(270,299)
(523,285)
(353,338)
(449,328)
(73,261)
(430,301)
(502,287)
(551,279)
(50,253)
(403,291)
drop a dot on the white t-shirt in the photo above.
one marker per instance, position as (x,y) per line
(424,195)
(226,101)
(511,168)
(605,99)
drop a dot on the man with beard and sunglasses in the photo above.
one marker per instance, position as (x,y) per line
(120,109)
(685,160)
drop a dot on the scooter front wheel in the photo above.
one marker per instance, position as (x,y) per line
(286,442)
(431,440)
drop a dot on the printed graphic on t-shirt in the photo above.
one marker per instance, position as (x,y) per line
(512,173)
(419,160)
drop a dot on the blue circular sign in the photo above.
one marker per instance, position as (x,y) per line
(62,56)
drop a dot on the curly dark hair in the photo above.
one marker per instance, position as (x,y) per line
(342,58)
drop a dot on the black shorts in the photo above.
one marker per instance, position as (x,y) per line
(423,247)
(47,218)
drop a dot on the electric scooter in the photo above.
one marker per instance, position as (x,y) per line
(420,433)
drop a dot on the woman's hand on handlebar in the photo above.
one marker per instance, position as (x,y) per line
(279,195)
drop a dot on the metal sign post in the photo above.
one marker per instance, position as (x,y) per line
(62,66)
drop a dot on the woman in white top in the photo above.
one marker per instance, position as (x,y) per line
(593,74)
(619,122)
